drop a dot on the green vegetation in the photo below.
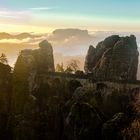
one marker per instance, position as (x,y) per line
(72,67)
(60,68)
(3,59)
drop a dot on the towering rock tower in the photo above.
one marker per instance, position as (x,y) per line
(29,65)
(115,58)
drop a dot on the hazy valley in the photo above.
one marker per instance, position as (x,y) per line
(68,44)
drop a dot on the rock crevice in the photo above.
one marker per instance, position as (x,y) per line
(115,58)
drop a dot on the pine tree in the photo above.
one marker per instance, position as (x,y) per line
(60,67)
(3,59)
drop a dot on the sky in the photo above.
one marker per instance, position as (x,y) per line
(96,20)
(47,15)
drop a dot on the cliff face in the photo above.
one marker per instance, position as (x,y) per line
(37,99)
(5,76)
(115,58)
(5,97)
(28,65)
(44,57)
(41,59)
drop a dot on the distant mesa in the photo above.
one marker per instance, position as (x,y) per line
(70,32)
(115,58)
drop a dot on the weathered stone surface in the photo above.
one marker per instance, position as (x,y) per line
(89,61)
(5,88)
(73,85)
(115,58)
(83,122)
(5,76)
(29,64)
(45,57)
(5,98)
(113,127)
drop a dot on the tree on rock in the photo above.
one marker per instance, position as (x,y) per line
(68,69)
(74,65)
(3,59)
(60,67)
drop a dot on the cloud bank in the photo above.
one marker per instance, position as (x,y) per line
(67,43)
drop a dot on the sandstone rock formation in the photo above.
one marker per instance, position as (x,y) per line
(44,57)
(5,76)
(37,99)
(5,97)
(114,126)
(115,58)
(29,64)
(56,107)
(83,122)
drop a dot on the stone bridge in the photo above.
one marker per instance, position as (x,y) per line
(85,79)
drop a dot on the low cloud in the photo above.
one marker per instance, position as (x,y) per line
(15,41)
(67,43)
